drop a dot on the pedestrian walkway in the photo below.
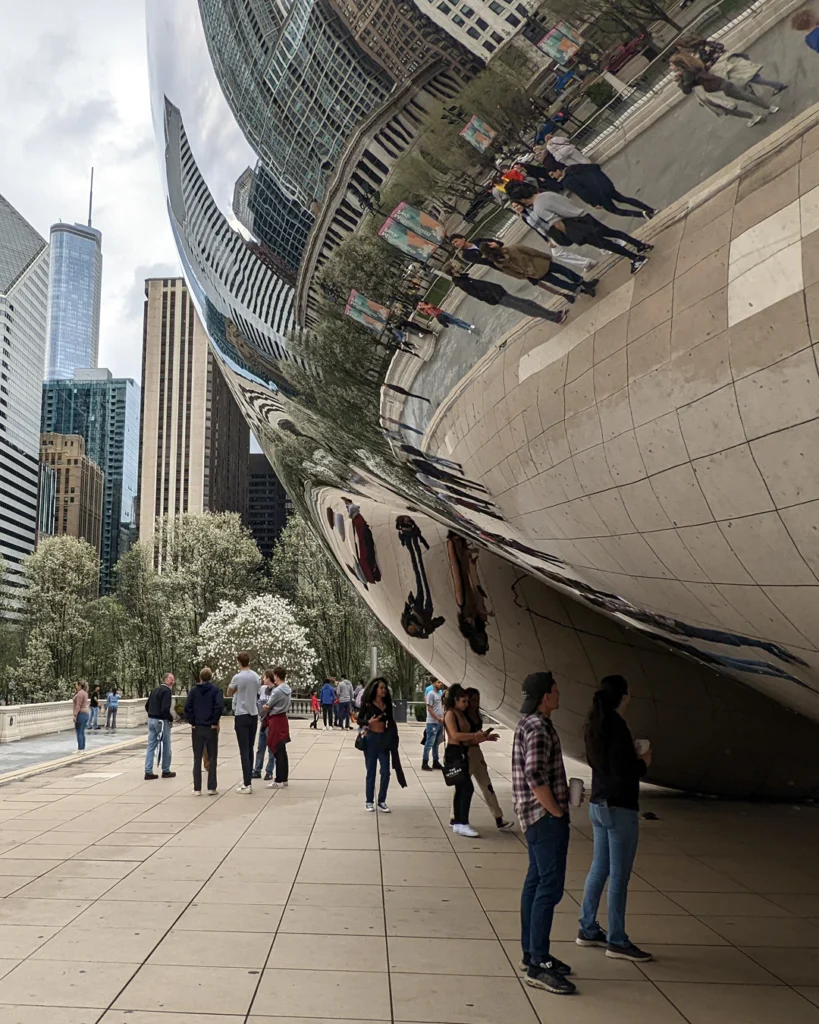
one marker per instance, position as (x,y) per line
(43,749)
(132,902)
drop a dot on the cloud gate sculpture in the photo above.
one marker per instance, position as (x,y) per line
(632,492)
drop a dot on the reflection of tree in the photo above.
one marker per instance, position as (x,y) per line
(366,263)
(633,16)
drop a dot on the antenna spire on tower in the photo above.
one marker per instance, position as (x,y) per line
(91,197)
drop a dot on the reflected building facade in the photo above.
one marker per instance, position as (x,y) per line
(75,290)
(23,331)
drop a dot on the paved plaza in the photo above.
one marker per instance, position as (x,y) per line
(673,156)
(132,902)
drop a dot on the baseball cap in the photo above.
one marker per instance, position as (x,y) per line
(534,687)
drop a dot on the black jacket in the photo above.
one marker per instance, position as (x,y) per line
(204,705)
(475,255)
(616,768)
(482,290)
(158,705)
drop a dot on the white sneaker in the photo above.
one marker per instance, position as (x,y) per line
(773,110)
(370,807)
(275,785)
(754,120)
(244,789)
(213,792)
(384,809)
(197,792)
(466,830)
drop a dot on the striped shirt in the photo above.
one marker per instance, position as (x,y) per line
(537,760)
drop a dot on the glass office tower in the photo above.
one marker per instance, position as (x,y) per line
(74,299)
(105,412)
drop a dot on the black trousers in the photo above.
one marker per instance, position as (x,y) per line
(328,713)
(245,726)
(204,737)
(462,801)
(282,763)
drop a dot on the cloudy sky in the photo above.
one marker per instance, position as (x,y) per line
(74,93)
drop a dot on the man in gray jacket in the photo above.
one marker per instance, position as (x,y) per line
(344,692)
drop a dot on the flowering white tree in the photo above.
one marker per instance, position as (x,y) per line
(264,626)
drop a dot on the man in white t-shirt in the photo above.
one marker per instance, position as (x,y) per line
(435,725)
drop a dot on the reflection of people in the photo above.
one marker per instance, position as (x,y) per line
(807,21)
(469,594)
(494,294)
(418,617)
(407,394)
(593,186)
(364,543)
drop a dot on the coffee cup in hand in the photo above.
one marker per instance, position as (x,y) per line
(642,747)
(575,792)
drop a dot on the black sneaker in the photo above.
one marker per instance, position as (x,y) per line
(557,966)
(538,976)
(150,775)
(628,952)
(597,937)
(425,767)
(562,316)
(255,775)
(638,263)
(169,775)
(503,825)
(267,777)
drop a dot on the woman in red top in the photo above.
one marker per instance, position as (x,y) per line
(445,319)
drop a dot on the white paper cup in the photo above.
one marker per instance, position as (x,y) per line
(642,747)
(575,792)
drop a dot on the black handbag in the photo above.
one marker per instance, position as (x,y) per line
(360,738)
(456,764)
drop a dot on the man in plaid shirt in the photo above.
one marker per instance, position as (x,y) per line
(541,796)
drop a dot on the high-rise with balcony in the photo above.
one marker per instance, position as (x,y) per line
(193,439)
(104,411)
(23,311)
(75,288)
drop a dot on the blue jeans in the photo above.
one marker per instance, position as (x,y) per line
(158,729)
(261,746)
(79,727)
(435,732)
(616,831)
(376,755)
(548,843)
(343,713)
(93,721)
(448,320)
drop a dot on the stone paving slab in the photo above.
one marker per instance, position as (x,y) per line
(384,918)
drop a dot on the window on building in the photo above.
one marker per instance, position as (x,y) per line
(445,8)
(472,31)
(482,25)
(522,11)
(467,11)
(497,8)
(497,37)
(513,20)
(459,21)
(490,47)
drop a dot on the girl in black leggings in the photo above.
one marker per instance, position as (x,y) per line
(459,736)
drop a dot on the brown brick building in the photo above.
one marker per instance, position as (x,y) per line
(78,503)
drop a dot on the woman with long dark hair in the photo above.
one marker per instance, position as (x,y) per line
(613,811)
(377,722)
(460,737)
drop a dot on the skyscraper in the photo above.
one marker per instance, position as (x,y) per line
(75,287)
(23,312)
(193,440)
(268,503)
(104,411)
(79,487)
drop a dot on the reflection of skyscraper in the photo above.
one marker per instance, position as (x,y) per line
(104,411)
(280,224)
(23,319)
(74,299)
(193,441)
(241,286)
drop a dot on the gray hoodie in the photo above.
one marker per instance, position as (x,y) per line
(344,691)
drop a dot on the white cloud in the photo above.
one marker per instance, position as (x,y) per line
(74,93)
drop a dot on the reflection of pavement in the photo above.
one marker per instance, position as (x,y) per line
(42,749)
(669,159)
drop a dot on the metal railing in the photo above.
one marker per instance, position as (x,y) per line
(715,21)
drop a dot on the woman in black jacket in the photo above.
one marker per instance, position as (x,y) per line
(377,721)
(593,186)
(494,294)
(616,773)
